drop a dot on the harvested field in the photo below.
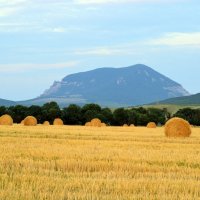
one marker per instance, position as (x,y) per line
(104,163)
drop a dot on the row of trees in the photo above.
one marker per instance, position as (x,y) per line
(191,115)
(76,115)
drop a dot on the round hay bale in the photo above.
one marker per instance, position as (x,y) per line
(132,125)
(30,121)
(103,125)
(88,124)
(177,127)
(22,122)
(58,122)
(151,125)
(96,122)
(46,123)
(125,125)
(6,120)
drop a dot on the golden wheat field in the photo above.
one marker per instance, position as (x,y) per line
(106,163)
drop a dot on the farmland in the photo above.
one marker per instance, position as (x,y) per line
(75,163)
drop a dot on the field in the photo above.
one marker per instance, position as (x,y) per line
(107,163)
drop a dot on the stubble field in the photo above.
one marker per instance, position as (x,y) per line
(107,163)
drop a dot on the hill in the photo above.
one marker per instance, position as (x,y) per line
(113,87)
(171,108)
(4,102)
(186,100)
(128,86)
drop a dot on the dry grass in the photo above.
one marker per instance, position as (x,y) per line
(88,163)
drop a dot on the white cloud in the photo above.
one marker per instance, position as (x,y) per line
(58,30)
(61,29)
(134,48)
(10,7)
(98,52)
(11,24)
(11,2)
(36,15)
(6,11)
(106,51)
(177,39)
(13,68)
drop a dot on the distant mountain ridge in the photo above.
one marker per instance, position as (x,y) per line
(186,100)
(128,86)
(4,102)
(113,87)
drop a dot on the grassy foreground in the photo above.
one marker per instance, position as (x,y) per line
(110,163)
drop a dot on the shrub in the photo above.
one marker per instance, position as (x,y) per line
(177,127)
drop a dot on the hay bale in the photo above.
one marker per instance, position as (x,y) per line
(132,125)
(103,125)
(46,123)
(58,122)
(177,127)
(88,124)
(151,125)
(96,122)
(22,122)
(125,125)
(6,120)
(30,121)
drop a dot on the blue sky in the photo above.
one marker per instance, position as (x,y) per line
(45,40)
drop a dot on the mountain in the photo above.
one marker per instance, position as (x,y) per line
(128,86)
(6,103)
(187,100)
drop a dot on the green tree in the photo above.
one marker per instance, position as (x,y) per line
(191,115)
(50,111)
(91,111)
(35,111)
(133,116)
(72,115)
(18,113)
(120,116)
(156,115)
(92,106)
(107,116)
(142,120)
(3,110)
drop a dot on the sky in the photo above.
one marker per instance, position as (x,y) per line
(42,41)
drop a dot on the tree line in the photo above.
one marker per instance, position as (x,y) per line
(76,115)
